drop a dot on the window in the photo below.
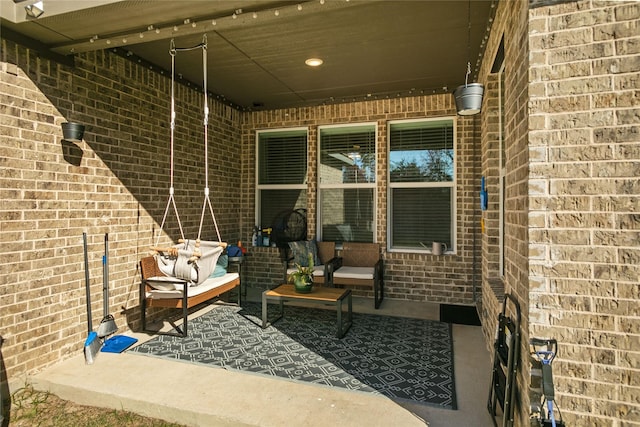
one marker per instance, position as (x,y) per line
(422,181)
(281,173)
(347,180)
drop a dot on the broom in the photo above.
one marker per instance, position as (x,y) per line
(92,344)
(108,324)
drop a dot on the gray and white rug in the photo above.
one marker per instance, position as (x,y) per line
(404,359)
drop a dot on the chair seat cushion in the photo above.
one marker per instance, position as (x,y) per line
(318,270)
(167,288)
(347,272)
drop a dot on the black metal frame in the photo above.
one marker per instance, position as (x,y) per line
(342,325)
(180,332)
(505,364)
(378,279)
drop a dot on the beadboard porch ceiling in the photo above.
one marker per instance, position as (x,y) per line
(371,49)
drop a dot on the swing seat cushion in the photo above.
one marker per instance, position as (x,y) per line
(162,283)
(159,290)
(164,287)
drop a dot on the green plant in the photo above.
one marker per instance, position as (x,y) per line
(302,274)
(34,408)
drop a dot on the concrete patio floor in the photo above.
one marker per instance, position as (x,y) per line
(202,396)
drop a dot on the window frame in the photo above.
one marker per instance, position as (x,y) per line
(502,173)
(369,185)
(443,184)
(259,187)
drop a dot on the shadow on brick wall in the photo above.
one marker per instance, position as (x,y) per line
(5,396)
(72,153)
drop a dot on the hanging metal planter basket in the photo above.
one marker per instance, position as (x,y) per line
(72,131)
(469,95)
(469,98)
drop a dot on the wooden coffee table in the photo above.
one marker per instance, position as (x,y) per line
(319,295)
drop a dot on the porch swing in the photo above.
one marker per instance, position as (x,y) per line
(185,274)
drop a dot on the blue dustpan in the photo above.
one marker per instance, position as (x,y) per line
(118,344)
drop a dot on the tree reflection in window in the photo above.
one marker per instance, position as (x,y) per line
(421,183)
(422,152)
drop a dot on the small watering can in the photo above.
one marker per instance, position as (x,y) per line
(438,248)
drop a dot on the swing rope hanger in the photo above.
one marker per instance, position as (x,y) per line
(173,50)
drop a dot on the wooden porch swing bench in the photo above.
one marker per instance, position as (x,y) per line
(160,290)
(187,276)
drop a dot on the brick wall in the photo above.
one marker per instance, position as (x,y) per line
(516,263)
(572,183)
(417,277)
(491,171)
(115,181)
(584,183)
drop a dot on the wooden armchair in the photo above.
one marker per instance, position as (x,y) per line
(323,272)
(361,264)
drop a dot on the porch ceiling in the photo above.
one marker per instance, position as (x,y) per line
(371,49)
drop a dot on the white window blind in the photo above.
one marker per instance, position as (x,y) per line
(421,184)
(281,173)
(347,177)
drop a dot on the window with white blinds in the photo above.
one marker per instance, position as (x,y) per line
(281,173)
(347,179)
(422,184)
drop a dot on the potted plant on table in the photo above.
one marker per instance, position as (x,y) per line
(302,278)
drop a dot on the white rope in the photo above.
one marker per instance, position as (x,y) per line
(206,201)
(171,201)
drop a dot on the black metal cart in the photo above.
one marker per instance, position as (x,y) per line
(505,363)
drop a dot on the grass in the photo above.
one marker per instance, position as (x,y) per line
(33,408)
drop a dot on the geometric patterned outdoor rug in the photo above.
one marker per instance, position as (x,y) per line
(405,359)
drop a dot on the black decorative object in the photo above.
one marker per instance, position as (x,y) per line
(72,131)
(289,225)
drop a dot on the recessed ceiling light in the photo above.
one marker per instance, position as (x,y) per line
(313,62)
